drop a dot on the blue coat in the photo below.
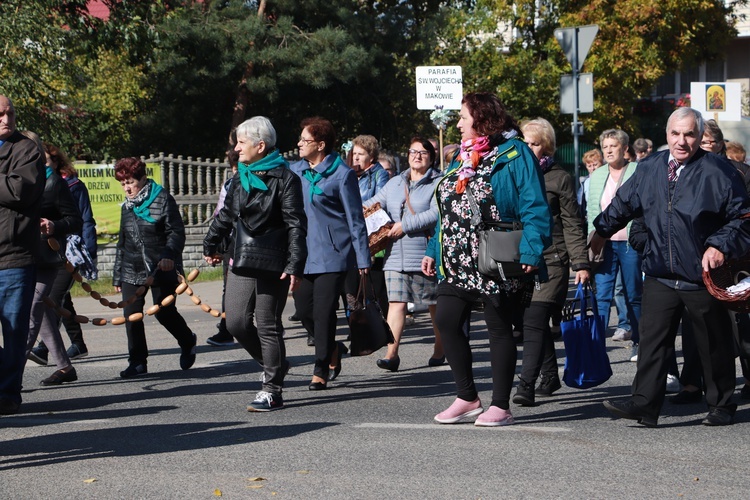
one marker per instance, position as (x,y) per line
(405,254)
(707,202)
(518,187)
(336,232)
(372,180)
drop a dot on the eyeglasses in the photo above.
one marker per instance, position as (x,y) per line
(709,143)
(306,141)
(414,152)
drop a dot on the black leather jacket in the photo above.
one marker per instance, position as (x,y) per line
(264,212)
(143,244)
(58,206)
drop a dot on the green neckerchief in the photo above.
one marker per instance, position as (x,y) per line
(141,210)
(251,181)
(315,176)
(48,172)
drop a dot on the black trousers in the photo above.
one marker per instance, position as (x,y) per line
(451,315)
(168,316)
(660,319)
(538,345)
(316,301)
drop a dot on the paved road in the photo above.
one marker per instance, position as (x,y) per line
(186,434)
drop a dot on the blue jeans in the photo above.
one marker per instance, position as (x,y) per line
(620,304)
(16,295)
(619,255)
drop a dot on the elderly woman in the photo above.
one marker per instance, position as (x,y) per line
(336,241)
(496,174)
(59,217)
(408,199)
(263,206)
(619,255)
(150,244)
(568,250)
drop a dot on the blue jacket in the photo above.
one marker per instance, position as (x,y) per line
(405,254)
(336,232)
(707,201)
(372,180)
(518,187)
(81,196)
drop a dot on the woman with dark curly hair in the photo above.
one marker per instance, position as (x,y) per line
(496,175)
(152,236)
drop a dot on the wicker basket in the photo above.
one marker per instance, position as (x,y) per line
(730,273)
(378,240)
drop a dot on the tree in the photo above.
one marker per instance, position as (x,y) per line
(638,42)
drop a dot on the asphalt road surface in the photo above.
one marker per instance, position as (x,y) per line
(187,434)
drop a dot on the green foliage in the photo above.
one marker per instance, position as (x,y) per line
(638,42)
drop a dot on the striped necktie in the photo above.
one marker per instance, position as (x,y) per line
(672,173)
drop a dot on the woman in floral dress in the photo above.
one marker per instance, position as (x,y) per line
(499,171)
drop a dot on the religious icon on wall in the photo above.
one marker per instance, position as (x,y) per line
(716,98)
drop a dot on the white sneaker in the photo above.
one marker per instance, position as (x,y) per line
(621,335)
(634,353)
(673,384)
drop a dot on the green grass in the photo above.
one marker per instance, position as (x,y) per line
(104,284)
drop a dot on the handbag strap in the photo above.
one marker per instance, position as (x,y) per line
(362,292)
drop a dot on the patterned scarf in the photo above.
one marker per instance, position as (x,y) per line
(472,153)
(139,203)
(546,163)
(249,180)
(315,176)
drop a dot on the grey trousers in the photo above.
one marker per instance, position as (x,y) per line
(254,303)
(44,321)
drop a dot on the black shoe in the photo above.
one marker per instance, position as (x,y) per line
(310,340)
(524,394)
(628,409)
(436,361)
(687,397)
(77,351)
(8,407)
(317,386)
(39,355)
(294,317)
(745,392)
(60,376)
(221,339)
(548,385)
(134,371)
(389,364)
(342,349)
(720,416)
(187,357)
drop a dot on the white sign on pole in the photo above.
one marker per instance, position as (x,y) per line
(717,100)
(439,87)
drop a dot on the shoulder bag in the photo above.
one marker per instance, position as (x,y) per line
(499,242)
(369,329)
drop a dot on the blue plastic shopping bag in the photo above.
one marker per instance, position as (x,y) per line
(586,360)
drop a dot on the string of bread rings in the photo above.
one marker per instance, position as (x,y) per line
(169,299)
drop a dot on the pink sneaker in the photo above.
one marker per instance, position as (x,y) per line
(459,411)
(494,417)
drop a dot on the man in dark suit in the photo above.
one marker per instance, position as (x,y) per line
(692,203)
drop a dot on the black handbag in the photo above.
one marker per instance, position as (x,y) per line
(369,330)
(499,254)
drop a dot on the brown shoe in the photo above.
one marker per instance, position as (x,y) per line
(60,376)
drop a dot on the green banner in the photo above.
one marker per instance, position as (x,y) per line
(107,196)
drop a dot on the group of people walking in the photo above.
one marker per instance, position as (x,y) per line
(300,227)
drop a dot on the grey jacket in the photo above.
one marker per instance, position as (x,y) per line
(336,232)
(405,254)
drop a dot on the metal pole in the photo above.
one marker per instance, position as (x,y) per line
(575,111)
